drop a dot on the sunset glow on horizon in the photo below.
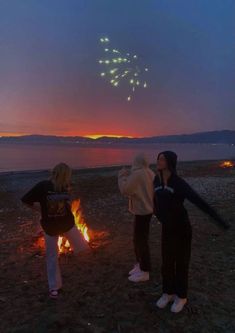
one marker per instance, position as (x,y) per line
(91,136)
(10,134)
(97,136)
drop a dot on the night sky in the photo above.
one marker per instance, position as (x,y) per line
(49,71)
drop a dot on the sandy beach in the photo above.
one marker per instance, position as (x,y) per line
(97,296)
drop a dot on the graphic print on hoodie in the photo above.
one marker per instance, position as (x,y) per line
(56,215)
(57,204)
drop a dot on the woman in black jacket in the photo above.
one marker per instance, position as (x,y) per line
(56,219)
(170,191)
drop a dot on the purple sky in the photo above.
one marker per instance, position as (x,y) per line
(49,71)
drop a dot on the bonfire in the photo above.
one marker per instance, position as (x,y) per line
(227,164)
(63,243)
(95,238)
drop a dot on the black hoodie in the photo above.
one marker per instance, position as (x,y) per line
(169,200)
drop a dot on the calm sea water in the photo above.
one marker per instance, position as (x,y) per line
(17,157)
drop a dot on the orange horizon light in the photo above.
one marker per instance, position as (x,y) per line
(91,136)
(97,136)
(7,134)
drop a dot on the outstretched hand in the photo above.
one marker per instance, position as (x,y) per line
(225,224)
(228,224)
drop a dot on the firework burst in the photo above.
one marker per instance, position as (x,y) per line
(119,68)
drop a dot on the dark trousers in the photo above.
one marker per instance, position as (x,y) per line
(141,246)
(176,252)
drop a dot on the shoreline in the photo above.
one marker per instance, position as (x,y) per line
(103,168)
(24,297)
(21,158)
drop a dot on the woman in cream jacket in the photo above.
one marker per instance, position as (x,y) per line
(138,186)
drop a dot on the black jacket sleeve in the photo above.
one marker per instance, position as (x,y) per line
(34,195)
(195,198)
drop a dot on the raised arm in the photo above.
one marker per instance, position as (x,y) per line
(127,183)
(32,197)
(195,198)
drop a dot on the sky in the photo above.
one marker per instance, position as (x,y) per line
(50,76)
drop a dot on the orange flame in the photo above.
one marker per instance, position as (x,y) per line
(79,220)
(63,243)
(227,164)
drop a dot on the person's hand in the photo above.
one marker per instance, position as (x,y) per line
(124,172)
(36,208)
(227,224)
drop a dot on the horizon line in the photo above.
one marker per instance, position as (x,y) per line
(113,136)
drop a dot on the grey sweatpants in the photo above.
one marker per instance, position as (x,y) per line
(78,244)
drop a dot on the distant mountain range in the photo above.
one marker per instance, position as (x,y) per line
(213,137)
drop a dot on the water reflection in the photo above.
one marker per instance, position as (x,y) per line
(33,157)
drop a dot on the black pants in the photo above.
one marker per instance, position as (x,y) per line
(176,252)
(141,246)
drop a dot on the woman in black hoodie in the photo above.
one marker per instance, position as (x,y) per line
(170,191)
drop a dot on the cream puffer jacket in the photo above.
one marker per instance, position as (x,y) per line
(138,186)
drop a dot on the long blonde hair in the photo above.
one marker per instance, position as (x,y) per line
(61,177)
